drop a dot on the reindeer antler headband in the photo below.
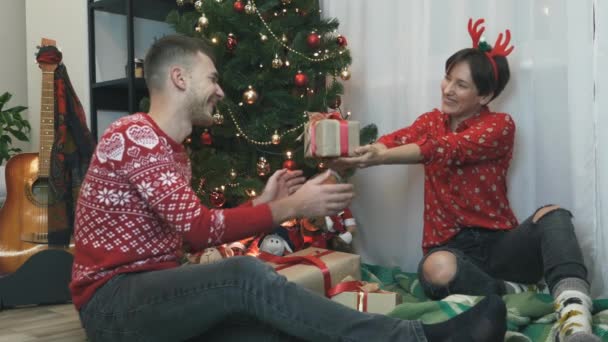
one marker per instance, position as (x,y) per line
(499,49)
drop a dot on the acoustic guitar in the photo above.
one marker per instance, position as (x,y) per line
(26,219)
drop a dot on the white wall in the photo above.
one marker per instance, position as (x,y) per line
(111,45)
(66,22)
(13,67)
(601,93)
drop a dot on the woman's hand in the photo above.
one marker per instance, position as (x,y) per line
(365,156)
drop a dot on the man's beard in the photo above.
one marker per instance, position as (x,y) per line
(200,111)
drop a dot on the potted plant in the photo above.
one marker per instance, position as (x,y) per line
(12,124)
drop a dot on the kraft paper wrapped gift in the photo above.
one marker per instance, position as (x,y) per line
(367,297)
(327,135)
(340,265)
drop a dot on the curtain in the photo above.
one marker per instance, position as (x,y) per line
(558,77)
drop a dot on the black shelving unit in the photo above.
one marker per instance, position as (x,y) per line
(121,94)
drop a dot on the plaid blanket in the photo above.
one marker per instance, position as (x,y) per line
(530,314)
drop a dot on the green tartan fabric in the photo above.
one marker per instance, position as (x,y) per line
(530,314)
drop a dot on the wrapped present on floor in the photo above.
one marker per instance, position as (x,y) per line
(316,269)
(328,135)
(364,297)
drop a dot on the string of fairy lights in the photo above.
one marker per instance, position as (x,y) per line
(250,95)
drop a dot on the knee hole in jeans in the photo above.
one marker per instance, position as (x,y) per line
(439,268)
(544,211)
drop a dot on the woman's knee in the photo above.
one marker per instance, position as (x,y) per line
(551,210)
(439,268)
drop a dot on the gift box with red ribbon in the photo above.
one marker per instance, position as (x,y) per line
(329,135)
(316,269)
(365,297)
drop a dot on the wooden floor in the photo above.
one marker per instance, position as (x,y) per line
(41,323)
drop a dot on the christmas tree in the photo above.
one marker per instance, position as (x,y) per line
(277,60)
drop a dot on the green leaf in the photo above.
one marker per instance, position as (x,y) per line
(17,109)
(4,99)
(19,135)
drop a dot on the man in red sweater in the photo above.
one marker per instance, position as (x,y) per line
(136,209)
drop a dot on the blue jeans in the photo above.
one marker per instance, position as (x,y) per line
(239,298)
(525,254)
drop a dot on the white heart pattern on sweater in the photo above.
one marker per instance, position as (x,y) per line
(112,148)
(133,151)
(143,136)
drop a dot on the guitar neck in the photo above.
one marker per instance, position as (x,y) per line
(47,122)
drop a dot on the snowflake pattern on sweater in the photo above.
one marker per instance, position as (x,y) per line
(136,208)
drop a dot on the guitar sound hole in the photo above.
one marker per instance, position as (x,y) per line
(41,193)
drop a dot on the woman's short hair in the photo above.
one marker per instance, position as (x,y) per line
(482,71)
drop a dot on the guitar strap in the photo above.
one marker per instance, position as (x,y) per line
(71,153)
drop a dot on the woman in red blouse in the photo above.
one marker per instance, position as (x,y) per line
(472,241)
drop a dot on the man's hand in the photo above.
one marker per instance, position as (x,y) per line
(280,185)
(317,199)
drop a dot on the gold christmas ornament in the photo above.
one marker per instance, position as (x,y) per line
(198,29)
(249,8)
(277,62)
(250,96)
(198,5)
(321,167)
(345,74)
(218,119)
(203,22)
(233,174)
(276,138)
(263,167)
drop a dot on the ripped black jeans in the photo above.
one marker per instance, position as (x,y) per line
(524,254)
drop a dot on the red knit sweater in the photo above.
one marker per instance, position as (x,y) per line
(136,208)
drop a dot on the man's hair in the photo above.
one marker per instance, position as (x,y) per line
(172,49)
(482,71)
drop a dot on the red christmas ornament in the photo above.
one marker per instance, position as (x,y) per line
(301,80)
(313,40)
(206,138)
(231,42)
(217,198)
(289,164)
(238,6)
(341,41)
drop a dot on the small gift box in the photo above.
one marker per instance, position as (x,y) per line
(328,135)
(316,269)
(365,297)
